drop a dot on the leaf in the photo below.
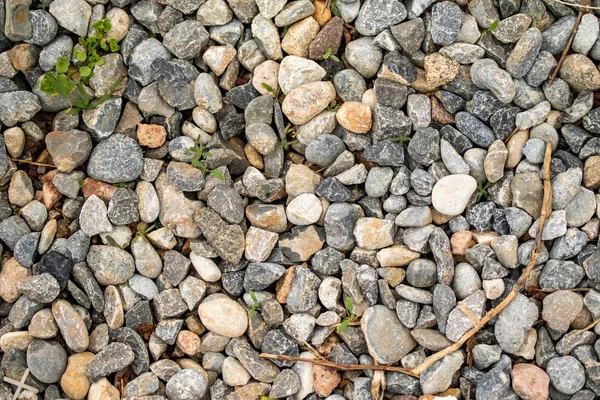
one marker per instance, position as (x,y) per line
(73,111)
(349,305)
(62,65)
(251,312)
(253,297)
(342,327)
(107,24)
(98,35)
(80,55)
(217,174)
(114,47)
(334,9)
(103,44)
(335,58)
(493,26)
(82,41)
(268,87)
(85,71)
(98,25)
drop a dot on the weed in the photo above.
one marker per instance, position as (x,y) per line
(80,183)
(350,318)
(277,93)
(199,155)
(289,130)
(334,9)
(492,27)
(329,54)
(402,139)
(482,190)
(67,78)
(332,106)
(255,307)
(143,230)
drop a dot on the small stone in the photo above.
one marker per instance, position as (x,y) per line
(451,194)
(223,316)
(73,15)
(71,325)
(530,381)
(355,116)
(308,100)
(379,324)
(566,374)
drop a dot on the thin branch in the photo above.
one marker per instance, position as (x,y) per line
(546,211)
(587,328)
(416,372)
(32,163)
(577,5)
(341,367)
(567,47)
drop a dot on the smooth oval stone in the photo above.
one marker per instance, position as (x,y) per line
(223,316)
(451,194)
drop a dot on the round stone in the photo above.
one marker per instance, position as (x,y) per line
(305,209)
(46,360)
(452,193)
(187,384)
(223,316)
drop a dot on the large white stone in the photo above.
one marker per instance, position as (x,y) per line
(452,193)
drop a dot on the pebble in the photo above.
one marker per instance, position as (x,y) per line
(223,316)
(451,194)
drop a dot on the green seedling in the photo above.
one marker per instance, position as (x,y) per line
(291,131)
(199,156)
(334,9)
(143,229)
(329,54)
(402,139)
(350,318)
(255,307)
(276,93)
(482,190)
(332,106)
(492,27)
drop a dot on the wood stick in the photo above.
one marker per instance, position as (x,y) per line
(546,211)
(576,5)
(32,163)
(416,372)
(567,47)
(341,367)
(587,328)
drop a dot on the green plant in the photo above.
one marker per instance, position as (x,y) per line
(277,93)
(402,139)
(143,229)
(289,130)
(80,183)
(266,398)
(255,307)
(199,155)
(482,190)
(334,9)
(492,27)
(332,106)
(67,78)
(329,54)
(350,318)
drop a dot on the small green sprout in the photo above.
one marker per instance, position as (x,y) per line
(291,131)
(482,190)
(199,155)
(350,318)
(80,183)
(255,307)
(143,229)
(334,9)
(329,54)
(402,139)
(332,106)
(276,93)
(492,27)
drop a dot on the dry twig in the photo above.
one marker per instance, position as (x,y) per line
(567,47)
(416,372)
(546,211)
(577,5)
(341,367)
(32,163)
